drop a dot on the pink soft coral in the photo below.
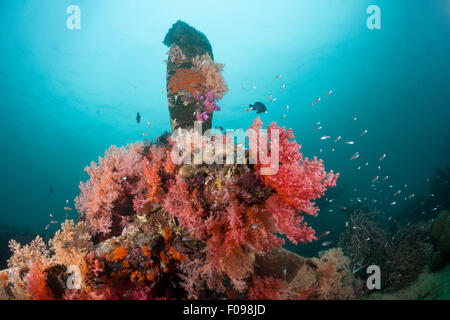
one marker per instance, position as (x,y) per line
(106,199)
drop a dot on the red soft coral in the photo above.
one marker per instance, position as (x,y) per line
(267,288)
(180,203)
(36,284)
(297,182)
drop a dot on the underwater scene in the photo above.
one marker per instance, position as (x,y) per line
(225,150)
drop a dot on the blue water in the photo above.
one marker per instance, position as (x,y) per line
(66,95)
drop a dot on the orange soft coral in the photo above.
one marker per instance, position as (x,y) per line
(154,166)
(186,79)
(119,254)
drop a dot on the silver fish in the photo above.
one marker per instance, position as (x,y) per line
(355,156)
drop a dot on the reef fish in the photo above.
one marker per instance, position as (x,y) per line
(138,118)
(355,156)
(259,107)
(326,243)
(316,101)
(324,234)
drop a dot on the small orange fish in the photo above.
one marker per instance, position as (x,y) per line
(53,221)
(375,179)
(316,101)
(283,86)
(144,134)
(67,208)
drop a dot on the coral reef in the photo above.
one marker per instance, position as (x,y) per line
(152,227)
(106,199)
(186,79)
(427,286)
(212,73)
(191,230)
(324,278)
(401,254)
(176,55)
(441,235)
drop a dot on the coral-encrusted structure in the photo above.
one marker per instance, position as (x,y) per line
(151,227)
(194,80)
